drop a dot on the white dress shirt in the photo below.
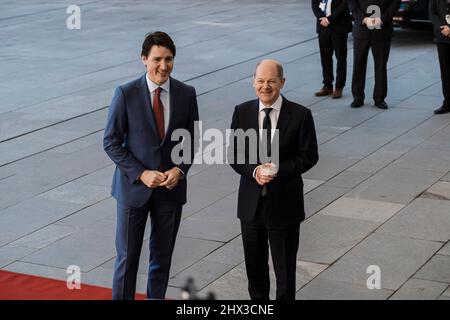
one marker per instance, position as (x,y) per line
(274,114)
(165,100)
(325,6)
(164,95)
(328,8)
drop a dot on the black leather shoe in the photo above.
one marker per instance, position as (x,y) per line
(382,105)
(357,104)
(442,110)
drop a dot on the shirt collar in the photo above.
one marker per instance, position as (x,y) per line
(276,105)
(152,86)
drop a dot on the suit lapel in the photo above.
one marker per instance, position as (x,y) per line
(145,98)
(254,116)
(173,105)
(284,117)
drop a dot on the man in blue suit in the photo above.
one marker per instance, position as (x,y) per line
(142,116)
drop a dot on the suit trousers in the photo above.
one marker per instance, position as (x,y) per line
(444,63)
(380,52)
(330,42)
(165,220)
(257,235)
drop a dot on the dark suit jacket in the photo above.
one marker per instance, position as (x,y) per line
(297,154)
(437,11)
(359,12)
(340,19)
(132,142)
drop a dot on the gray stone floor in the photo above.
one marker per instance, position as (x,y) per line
(378,196)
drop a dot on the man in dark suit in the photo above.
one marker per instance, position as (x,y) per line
(333,25)
(270,205)
(142,116)
(372,29)
(439,11)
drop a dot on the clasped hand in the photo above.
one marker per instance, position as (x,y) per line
(445,30)
(155,178)
(373,23)
(261,177)
(324,22)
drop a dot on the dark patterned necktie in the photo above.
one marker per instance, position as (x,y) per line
(267,131)
(158,111)
(267,126)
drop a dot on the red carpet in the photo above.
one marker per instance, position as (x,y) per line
(16,286)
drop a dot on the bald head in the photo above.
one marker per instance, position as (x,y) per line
(268,81)
(270,64)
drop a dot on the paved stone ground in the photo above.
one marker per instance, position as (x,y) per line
(379,195)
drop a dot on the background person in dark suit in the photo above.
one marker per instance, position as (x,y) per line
(271,207)
(333,25)
(440,17)
(375,33)
(142,115)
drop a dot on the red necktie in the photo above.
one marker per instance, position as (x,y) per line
(158,111)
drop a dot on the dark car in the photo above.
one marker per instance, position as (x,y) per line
(412,11)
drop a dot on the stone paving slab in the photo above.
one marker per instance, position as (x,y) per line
(445,250)
(312,208)
(10,254)
(348,179)
(80,143)
(433,90)
(231,252)
(440,190)
(101,177)
(37,215)
(426,157)
(202,195)
(417,289)
(328,167)
(78,193)
(324,289)
(321,244)
(422,102)
(310,184)
(16,188)
(44,237)
(325,194)
(217,222)
(437,269)
(233,285)
(397,120)
(396,185)
(446,177)
(422,219)
(375,211)
(77,249)
(348,143)
(401,145)
(398,261)
(446,294)
(105,209)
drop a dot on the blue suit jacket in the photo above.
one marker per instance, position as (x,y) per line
(132,142)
